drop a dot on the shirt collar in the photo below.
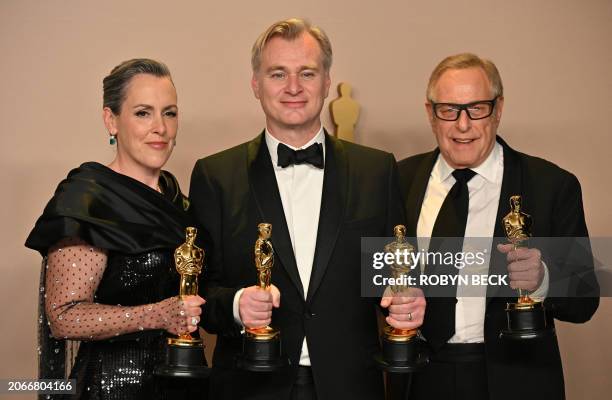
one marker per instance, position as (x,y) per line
(491,169)
(273,142)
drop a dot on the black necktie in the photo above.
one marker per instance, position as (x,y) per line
(312,154)
(439,324)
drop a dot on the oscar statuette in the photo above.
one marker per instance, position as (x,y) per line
(401,348)
(526,317)
(185,354)
(261,346)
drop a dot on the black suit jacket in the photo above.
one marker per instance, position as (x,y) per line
(233,191)
(553,198)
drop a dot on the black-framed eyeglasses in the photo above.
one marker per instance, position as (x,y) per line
(475,110)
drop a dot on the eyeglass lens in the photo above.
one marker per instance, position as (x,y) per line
(451,112)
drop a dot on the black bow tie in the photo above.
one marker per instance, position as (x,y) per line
(313,154)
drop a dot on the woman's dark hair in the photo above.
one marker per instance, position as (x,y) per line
(115,84)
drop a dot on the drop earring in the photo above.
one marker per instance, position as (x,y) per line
(113,139)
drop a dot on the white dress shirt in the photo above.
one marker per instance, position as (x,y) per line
(300,187)
(484,192)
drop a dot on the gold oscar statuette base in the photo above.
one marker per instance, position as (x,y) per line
(261,334)
(526,319)
(399,335)
(402,351)
(186,342)
(261,350)
(184,359)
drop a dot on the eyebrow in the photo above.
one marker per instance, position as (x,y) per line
(148,107)
(283,68)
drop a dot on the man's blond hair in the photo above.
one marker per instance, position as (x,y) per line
(291,29)
(464,61)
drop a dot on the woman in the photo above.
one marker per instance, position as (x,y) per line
(108,235)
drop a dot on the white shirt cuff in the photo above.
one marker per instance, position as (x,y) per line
(236,308)
(540,293)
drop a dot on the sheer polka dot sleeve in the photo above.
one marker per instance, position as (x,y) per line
(74,270)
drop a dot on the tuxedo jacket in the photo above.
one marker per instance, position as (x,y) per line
(552,196)
(235,190)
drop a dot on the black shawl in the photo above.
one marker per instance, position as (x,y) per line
(113,212)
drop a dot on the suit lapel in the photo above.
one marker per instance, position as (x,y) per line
(263,185)
(333,205)
(416,193)
(512,184)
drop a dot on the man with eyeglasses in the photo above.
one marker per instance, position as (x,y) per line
(462,189)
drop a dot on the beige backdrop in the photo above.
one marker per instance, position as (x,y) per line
(554,57)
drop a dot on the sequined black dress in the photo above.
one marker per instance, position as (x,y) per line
(139,228)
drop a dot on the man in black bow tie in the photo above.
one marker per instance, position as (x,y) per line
(321,195)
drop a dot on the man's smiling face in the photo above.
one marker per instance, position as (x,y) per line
(465,143)
(291,84)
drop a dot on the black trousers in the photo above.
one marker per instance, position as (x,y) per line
(303,387)
(456,372)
